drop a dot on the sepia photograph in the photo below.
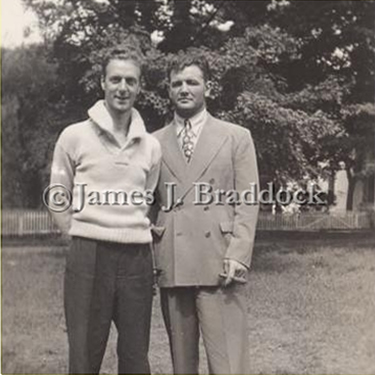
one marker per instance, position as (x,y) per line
(188,187)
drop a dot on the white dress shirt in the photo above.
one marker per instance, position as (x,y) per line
(197,122)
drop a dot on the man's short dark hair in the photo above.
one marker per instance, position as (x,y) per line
(126,52)
(181,61)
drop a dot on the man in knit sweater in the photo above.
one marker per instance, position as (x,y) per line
(103,175)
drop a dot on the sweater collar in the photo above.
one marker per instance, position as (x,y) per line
(101,117)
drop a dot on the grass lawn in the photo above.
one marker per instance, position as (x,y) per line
(311,310)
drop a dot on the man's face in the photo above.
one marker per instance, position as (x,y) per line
(121,85)
(187,90)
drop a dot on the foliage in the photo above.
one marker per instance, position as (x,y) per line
(31,115)
(298,74)
(300,136)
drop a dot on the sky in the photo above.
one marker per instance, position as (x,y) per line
(14,20)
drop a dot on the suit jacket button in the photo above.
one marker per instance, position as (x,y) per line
(207,234)
(212,181)
(206,208)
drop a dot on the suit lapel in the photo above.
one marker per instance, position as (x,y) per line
(209,144)
(172,154)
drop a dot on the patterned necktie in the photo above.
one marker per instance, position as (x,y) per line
(187,140)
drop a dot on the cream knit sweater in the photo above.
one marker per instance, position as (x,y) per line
(111,185)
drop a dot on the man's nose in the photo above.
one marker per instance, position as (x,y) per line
(184,87)
(122,85)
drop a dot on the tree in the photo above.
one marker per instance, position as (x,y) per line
(337,58)
(338,40)
(301,87)
(31,114)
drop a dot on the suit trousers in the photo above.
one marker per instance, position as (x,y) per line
(220,313)
(105,282)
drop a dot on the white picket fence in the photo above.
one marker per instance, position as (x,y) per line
(18,223)
(317,221)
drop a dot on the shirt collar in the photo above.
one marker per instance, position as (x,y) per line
(196,122)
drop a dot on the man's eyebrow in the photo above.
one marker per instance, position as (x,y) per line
(116,76)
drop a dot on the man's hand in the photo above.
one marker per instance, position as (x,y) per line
(234,271)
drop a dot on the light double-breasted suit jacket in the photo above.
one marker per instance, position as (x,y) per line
(191,239)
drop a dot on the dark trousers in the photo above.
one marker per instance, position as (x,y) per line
(107,281)
(220,314)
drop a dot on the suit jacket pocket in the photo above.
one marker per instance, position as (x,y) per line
(226,227)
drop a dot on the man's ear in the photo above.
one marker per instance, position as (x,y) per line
(102,82)
(141,84)
(169,92)
(207,92)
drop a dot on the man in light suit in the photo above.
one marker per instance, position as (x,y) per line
(203,240)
